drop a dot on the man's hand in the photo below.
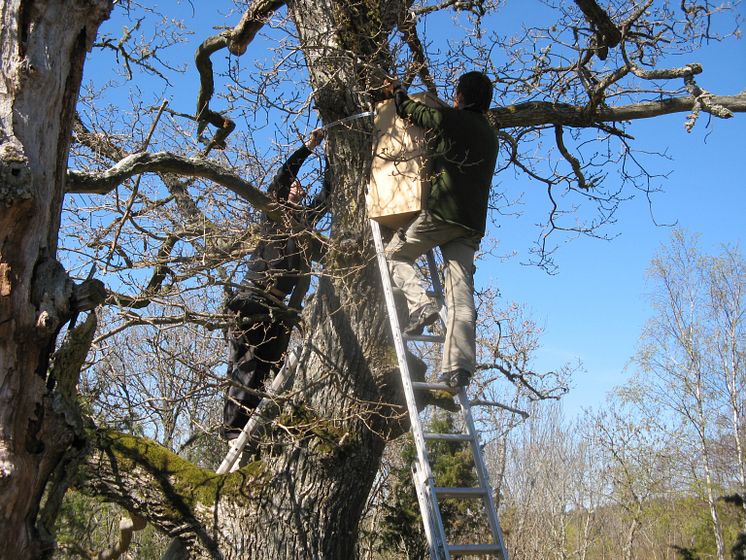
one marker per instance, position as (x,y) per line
(317,135)
(390,85)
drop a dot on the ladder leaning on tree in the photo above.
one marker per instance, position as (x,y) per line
(428,493)
(257,419)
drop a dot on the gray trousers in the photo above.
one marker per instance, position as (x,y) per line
(457,245)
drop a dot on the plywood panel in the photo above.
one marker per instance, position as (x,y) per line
(399,182)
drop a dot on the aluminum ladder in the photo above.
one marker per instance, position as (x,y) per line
(428,493)
(257,420)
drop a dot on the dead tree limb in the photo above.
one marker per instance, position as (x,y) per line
(236,41)
(607,35)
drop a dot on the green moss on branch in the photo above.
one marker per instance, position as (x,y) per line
(184,483)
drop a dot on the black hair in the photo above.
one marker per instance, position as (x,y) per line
(476,89)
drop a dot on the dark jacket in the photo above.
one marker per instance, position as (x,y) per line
(463,148)
(277,263)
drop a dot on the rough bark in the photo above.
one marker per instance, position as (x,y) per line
(305,498)
(43,46)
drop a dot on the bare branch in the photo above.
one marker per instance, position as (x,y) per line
(251,22)
(607,34)
(408,27)
(704,101)
(474,6)
(574,163)
(98,143)
(205,115)
(131,201)
(536,113)
(523,378)
(684,72)
(236,40)
(127,526)
(166,162)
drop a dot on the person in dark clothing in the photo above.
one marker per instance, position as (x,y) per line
(463,152)
(259,337)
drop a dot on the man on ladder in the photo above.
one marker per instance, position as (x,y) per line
(463,153)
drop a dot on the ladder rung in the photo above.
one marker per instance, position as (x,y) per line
(447,437)
(448,492)
(424,338)
(422,386)
(459,549)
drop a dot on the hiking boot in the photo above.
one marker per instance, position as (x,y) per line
(456,379)
(420,318)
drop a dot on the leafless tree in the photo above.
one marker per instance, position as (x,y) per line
(553,488)
(148,217)
(726,312)
(638,470)
(689,366)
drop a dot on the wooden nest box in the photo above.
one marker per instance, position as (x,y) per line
(399,178)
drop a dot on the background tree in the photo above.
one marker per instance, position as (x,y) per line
(684,380)
(637,474)
(168,244)
(553,489)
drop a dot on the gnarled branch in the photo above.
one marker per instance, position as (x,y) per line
(236,40)
(537,113)
(166,162)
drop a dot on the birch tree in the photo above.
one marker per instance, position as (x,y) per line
(689,365)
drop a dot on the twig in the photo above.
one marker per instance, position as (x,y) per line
(131,201)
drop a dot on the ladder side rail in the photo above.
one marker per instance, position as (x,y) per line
(399,345)
(436,552)
(482,474)
(282,378)
(416,426)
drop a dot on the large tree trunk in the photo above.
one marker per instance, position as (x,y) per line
(304,499)
(319,489)
(42,49)
(320,486)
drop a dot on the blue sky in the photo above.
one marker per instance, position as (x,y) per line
(594,308)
